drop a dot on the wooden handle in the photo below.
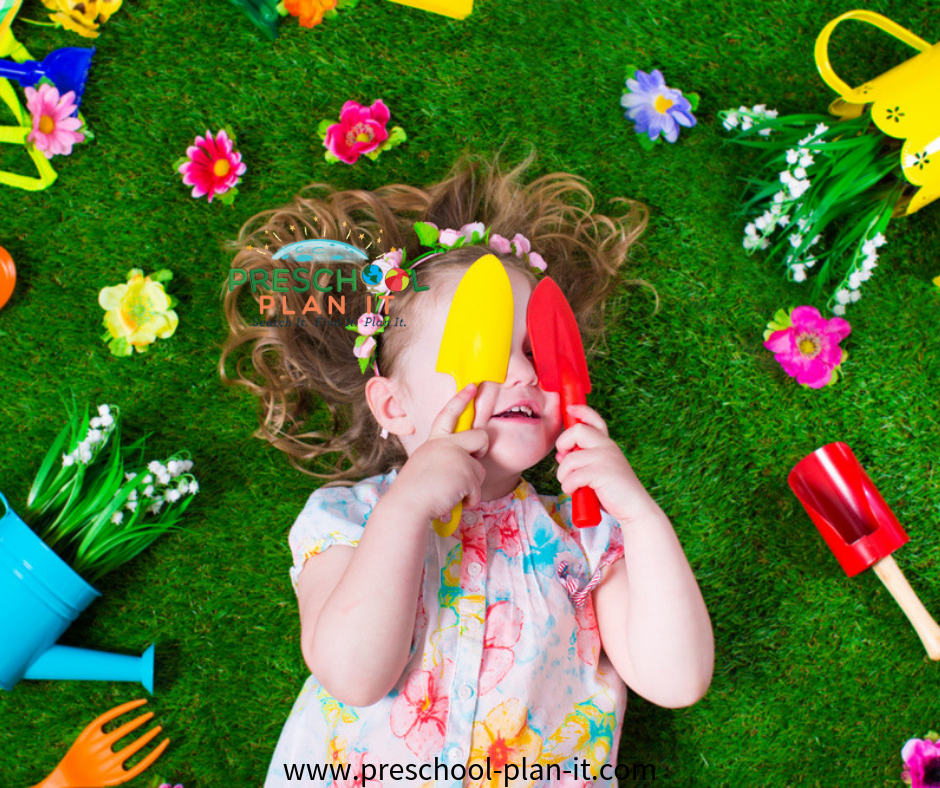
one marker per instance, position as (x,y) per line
(926,628)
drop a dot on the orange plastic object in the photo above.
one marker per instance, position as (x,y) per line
(90,761)
(7,276)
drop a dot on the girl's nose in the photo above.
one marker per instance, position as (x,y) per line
(521,370)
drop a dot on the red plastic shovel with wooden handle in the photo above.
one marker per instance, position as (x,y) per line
(859,527)
(561,367)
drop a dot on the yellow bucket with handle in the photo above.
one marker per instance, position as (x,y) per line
(904,103)
(16,135)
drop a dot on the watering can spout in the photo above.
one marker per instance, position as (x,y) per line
(66,662)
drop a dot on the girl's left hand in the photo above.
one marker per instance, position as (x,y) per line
(600,465)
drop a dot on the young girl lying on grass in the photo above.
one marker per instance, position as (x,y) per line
(499,654)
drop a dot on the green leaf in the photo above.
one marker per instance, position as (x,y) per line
(228,130)
(163,275)
(282,8)
(694,99)
(324,127)
(228,198)
(179,163)
(645,142)
(630,72)
(120,347)
(427,233)
(396,137)
(331,158)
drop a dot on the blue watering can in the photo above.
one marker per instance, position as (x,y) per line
(66,68)
(41,596)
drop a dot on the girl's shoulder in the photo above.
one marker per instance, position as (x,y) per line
(365,493)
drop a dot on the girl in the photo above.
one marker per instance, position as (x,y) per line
(497,655)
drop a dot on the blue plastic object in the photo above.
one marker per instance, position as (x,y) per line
(66,68)
(42,596)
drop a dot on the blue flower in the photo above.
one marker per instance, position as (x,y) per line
(655,108)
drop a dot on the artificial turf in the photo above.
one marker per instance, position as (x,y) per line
(819,679)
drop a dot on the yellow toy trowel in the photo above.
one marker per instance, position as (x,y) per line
(476,342)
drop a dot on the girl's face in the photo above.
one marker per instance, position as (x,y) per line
(522,421)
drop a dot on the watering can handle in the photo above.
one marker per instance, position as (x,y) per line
(892,28)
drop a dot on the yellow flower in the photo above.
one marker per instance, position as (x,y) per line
(137,313)
(82,16)
(504,737)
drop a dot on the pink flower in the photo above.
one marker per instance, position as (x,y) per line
(55,130)
(365,349)
(921,763)
(419,712)
(503,628)
(368,324)
(808,349)
(449,237)
(522,244)
(500,244)
(213,165)
(537,261)
(468,230)
(360,130)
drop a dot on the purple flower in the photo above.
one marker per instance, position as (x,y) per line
(655,108)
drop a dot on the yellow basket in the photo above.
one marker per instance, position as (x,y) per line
(903,103)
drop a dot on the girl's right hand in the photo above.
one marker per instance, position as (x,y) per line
(445,469)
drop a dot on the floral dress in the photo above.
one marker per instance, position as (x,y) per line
(506,684)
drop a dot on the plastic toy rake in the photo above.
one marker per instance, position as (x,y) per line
(91,761)
(859,527)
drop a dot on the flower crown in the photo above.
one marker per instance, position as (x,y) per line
(437,241)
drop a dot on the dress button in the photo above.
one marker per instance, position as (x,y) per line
(472,518)
(475,568)
(465,691)
(456,754)
(474,625)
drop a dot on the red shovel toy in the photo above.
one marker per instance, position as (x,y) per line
(561,367)
(859,527)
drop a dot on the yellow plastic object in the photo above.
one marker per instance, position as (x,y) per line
(90,761)
(456,9)
(477,341)
(903,102)
(16,135)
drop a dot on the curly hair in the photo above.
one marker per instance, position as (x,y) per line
(293,367)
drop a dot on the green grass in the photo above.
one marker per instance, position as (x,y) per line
(819,679)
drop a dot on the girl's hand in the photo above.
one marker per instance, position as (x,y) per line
(445,469)
(600,465)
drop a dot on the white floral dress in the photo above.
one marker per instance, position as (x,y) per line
(507,682)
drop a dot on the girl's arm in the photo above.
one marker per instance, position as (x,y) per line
(652,619)
(358,605)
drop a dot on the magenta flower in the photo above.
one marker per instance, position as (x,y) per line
(807,345)
(212,166)
(361,130)
(921,763)
(55,129)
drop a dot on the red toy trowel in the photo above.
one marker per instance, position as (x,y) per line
(859,527)
(561,367)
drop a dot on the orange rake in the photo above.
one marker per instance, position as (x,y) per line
(90,761)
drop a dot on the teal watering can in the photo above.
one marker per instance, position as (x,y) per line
(40,596)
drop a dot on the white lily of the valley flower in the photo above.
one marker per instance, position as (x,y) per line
(131,506)
(187,466)
(855,280)
(731,120)
(806,159)
(795,240)
(148,491)
(838,309)
(67,460)
(869,264)
(155,467)
(193,487)
(821,128)
(94,423)
(810,261)
(117,518)
(843,297)
(94,436)
(172,495)
(879,240)
(855,295)
(156,507)
(799,273)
